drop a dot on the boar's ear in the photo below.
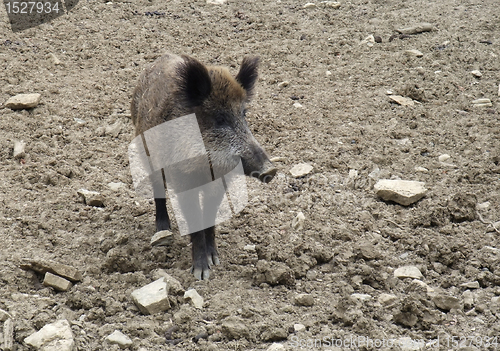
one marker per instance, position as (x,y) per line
(248,73)
(194,81)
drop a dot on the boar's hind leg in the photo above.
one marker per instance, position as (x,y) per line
(201,267)
(213,255)
(162,220)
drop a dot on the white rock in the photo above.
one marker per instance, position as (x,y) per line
(331,4)
(484,102)
(408,272)
(298,221)
(476,73)
(57,282)
(369,40)
(444,157)
(310,5)
(23,101)
(117,337)
(414,52)
(283,84)
(216,2)
(417,28)
(152,298)
(301,170)
(55,60)
(194,297)
(91,198)
(361,297)
(116,186)
(56,336)
(297,105)
(403,101)
(276,347)
(299,327)
(174,285)
(249,247)
(328,73)
(421,169)
(19,149)
(162,238)
(387,299)
(470,285)
(277,159)
(404,192)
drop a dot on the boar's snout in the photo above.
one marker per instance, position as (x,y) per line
(266,173)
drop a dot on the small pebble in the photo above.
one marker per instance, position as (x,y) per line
(216,2)
(194,297)
(482,102)
(283,84)
(331,4)
(299,327)
(408,272)
(361,297)
(471,285)
(298,221)
(304,300)
(310,5)
(19,149)
(328,73)
(162,238)
(23,101)
(403,101)
(91,198)
(249,247)
(297,105)
(152,298)
(54,59)
(378,38)
(476,73)
(369,41)
(414,52)
(58,283)
(444,157)
(120,339)
(301,170)
(404,192)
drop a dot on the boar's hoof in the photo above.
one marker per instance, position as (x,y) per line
(201,273)
(201,268)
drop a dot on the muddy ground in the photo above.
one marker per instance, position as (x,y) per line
(351,242)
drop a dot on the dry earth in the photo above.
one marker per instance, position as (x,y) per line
(352,241)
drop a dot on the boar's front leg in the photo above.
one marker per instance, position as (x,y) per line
(212,254)
(201,267)
(162,219)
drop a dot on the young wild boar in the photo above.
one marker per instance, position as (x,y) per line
(175,86)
